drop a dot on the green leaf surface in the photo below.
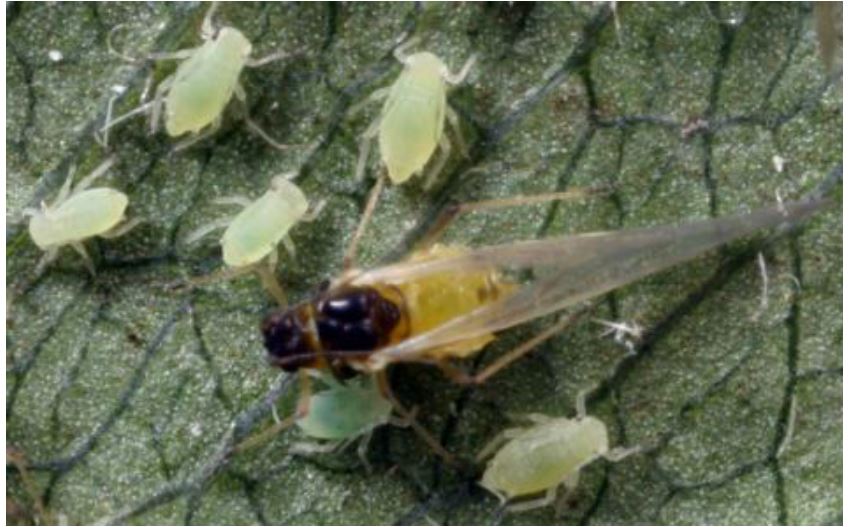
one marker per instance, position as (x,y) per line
(125,395)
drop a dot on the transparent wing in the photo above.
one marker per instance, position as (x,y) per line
(580,267)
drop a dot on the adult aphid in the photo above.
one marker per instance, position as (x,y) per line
(195,96)
(251,239)
(77,214)
(444,303)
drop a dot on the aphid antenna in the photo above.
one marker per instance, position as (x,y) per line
(99,171)
(458,78)
(314,211)
(111,48)
(403,46)
(208,29)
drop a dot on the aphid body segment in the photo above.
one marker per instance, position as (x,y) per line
(256,231)
(205,82)
(78,214)
(410,126)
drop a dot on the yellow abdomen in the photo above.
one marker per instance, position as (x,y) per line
(435,299)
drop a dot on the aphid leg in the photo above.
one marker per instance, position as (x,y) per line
(46,259)
(493,368)
(266,272)
(302,408)
(228,273)
(77,246)
(305,391)
(143,108)
(206,229)
(254,127)
(262,437)
(191,140)
(314,211)
(239,92)
(363,150)
(146,88)
(452,212)
(536,503)
(99,171)
(570,484)
(401,51)
(495,443)
(289,246)
(103,141)
(371,202)
(434,444)
(363,450)
(403,423)
(455,124)
(444,147)
(580,402)
(158,103)
(181,54)
(375,96)
(305,448)
(154,106)
(459,77)
(616,454)
(121,229)
(272,57)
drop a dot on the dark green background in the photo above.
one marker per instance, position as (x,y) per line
(123,394)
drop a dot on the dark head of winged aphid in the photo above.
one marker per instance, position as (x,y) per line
(332,330)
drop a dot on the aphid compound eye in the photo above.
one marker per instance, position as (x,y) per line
(286,342)
(358,319)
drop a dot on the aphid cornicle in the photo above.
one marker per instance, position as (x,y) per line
(410,126)
(447,302)
(77,214)
(196,94)
(541,457)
